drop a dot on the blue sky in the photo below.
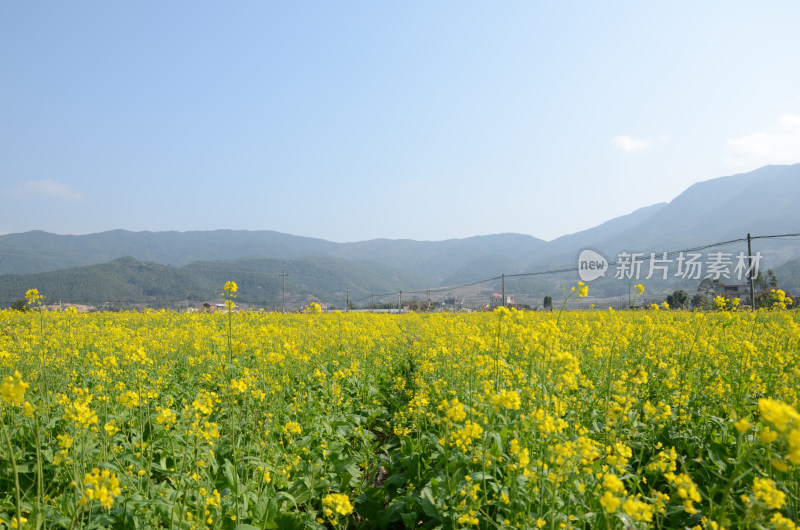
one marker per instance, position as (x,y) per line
(358,120)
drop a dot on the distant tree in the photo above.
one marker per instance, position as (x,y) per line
(699,301)
(20,305)
(765,282)
(763,285)
(678,299)
(709,288)
(548,303)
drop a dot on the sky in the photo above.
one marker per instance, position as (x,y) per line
(358,120)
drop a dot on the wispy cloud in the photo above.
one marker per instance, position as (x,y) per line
(778,144)
(629,144)
(47,188)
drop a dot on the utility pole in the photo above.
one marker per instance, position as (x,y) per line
(503,291)
(347,304)
(750,272)
(372,305)
(283,298)
(400,302)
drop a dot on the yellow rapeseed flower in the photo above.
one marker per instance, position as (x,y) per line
(33,296)
(292,427)
(336,503)
(12,389)
(230,289)
(766,491)
(102,486)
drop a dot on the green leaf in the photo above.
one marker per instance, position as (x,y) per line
(409,519)
(427,503)
(395,481)
(231,479)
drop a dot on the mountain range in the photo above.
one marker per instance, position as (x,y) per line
(761,202)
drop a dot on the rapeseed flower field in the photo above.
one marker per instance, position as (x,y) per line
(591,419)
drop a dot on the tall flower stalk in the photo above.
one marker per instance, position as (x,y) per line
(583,292)
(12,392)
(229,292)
(35,300)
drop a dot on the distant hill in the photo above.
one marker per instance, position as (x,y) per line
(125,279)
(38,251)
(605,231)
(788,275)
(762,202)
(126,283)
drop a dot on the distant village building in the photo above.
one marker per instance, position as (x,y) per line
(735,291)
(212,308)
(79,308)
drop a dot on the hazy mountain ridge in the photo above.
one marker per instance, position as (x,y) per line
(788,275)
(759,202)
(169,248)
(127,282)
(762,202)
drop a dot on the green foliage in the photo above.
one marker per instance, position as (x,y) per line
(128,283)
(700,301)
(20,305)
(678,300)
(548,303)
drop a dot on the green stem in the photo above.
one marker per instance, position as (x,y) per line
(562,307)
(16,474)
(39,472)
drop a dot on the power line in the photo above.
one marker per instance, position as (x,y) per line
(779,236)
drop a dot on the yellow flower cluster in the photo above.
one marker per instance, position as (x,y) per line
(102,486)
(336,504)
(230,289)
(313,307)
(686,489)
(292,427)
(165,417)
(522,454)
(508,399)
(786,421)
(726,304)
(764,489)
(12,389)
(780,300)
(454,410)
(463,437)
(79,412)
(33,296)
